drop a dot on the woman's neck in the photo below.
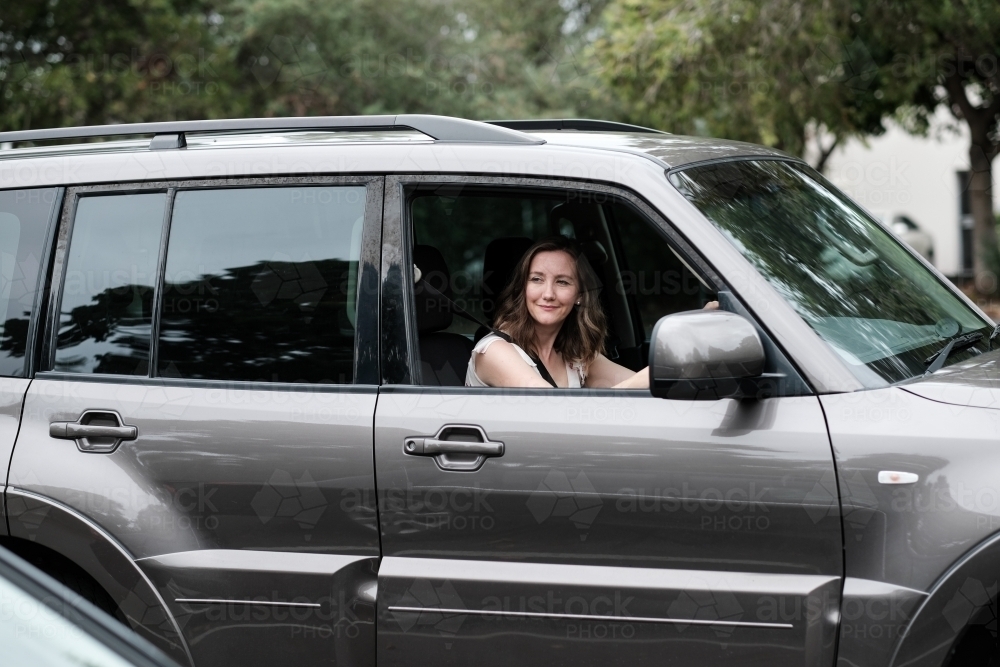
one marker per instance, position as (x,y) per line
(545,340)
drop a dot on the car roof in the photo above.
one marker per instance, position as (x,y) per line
(345,144)
(673,150)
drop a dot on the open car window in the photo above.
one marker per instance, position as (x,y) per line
(466,240)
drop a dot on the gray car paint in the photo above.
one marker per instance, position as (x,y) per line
(11,398)
(908,537)
(229,468)
(924,557)
(705,496)
(720,503)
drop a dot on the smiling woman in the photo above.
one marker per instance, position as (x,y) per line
(550,327)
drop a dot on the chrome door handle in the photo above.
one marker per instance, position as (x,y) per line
(455,447)
(96,431)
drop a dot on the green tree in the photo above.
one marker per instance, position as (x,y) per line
(945,53)
(775,73)
(66,62)
(70,62)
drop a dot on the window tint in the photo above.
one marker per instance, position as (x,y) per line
(106,311)
(653,274)
(462,225)
(24,217)
(260,285)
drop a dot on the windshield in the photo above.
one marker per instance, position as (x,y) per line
(867,296)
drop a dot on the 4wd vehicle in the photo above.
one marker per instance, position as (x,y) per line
(232,405)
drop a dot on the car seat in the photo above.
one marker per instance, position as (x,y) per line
(444,357)
(499,261)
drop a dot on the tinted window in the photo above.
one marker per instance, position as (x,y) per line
(261,285)
(24,217)
(461,226)
(653,274)
(107,302)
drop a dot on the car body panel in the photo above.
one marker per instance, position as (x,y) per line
(52,524)
(974,383)
(547,614)
(245,607)
(910,535)
(215,467)
(716,491)
(958,598)
(11,400)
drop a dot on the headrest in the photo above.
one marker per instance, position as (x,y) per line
(433,312)
(586,221)
(499,262)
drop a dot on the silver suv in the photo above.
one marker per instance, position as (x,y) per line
(232,405)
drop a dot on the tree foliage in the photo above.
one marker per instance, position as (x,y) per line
(935,53)
(773,73)
(68,62)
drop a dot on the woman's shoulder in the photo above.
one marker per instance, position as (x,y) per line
(489,339)
(485,342)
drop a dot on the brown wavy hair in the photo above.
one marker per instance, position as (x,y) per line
(581,337)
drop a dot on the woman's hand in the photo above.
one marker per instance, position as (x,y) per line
(711,305)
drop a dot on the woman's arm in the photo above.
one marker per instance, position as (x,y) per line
(607,374)
(501,366)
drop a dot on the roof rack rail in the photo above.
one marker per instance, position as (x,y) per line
(171,134)
(583,124)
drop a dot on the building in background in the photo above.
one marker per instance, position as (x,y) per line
(921,178)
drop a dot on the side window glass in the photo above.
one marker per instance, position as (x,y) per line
(24,217)
(654,276)
(106,312)
(260,285)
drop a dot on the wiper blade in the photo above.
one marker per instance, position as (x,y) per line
(936,360)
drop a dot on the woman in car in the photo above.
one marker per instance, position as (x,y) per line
(551,313)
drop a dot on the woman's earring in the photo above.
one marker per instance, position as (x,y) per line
(578,303)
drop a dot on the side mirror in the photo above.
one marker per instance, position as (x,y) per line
(706,355)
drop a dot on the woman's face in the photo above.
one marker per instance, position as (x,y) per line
(553,287)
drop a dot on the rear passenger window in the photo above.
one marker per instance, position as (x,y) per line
(106,311)
(260,285)
(24,218)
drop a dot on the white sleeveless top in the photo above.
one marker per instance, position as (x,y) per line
(575,374)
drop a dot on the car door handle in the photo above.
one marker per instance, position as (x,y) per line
(96,431)
(455,447)
(73,430)
(432,446)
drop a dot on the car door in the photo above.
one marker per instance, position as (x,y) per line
(524,526)
(206,401)
(27,218)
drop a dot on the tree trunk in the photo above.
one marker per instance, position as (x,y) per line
(985,256)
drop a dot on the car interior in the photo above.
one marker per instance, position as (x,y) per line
(467,241)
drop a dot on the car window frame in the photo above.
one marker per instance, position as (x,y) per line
(399,340)
(366,358)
